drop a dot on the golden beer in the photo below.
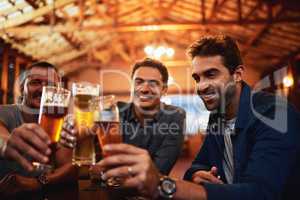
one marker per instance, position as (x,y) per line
(106,115)
(108,132)
(84,152)
(52,120)
(53,109)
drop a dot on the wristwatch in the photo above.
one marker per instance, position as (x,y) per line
(42,179)
(166,187)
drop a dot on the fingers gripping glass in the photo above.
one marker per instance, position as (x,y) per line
(106,120)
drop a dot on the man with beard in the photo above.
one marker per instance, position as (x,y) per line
(25,141)
(251,150)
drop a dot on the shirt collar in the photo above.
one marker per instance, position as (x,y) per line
(243,115)
(131,116)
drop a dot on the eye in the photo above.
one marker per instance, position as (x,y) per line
(211,73)
(196,78)
(138,81)
(153,83)
(35,82)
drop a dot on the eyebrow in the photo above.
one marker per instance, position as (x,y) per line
(150,80)
(210,71)
(138,78)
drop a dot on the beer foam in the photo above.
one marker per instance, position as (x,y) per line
(108,116)
(78,89)
(54,99)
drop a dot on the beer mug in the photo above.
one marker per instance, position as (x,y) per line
(84,151)
(106,119)
(53,109)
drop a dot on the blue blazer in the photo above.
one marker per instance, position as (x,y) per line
(266,151)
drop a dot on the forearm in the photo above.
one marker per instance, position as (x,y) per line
(194,168)
(63,156)
(63,174)
(190,191)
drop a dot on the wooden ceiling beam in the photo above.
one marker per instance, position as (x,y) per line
(32,3)
(137,27)
(240,10)
(216,8)
(283,61)
(77,53)
(26,17)
(71,41)
(254,9)
(129,12)
(203,11)
(261,31)
(81,12)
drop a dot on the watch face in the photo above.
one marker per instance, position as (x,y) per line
(43,179)
(168,186)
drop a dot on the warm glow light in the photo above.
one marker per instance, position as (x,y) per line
(171,80)
(149,50)
(288,81)
(170,52)
(71,10)
(159,51)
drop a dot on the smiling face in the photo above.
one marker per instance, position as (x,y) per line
(214,81)
(148,87)
(33,86)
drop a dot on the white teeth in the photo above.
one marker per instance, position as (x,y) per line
(145,97)
(209,96)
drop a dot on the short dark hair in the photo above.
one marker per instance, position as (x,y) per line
(149,62)
(222,45)
(41,64)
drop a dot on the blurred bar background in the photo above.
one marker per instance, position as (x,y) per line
(99,41)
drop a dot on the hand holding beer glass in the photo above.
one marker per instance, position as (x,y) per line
(84,151)
(106,119)
(53,109)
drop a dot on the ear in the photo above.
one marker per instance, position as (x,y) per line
(238,73)
(164,90)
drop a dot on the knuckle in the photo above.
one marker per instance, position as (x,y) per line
(144,152)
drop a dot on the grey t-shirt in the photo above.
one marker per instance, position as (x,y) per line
(11,118)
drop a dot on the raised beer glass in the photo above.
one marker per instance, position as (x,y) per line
(84,151)
(53,109)
(106,119)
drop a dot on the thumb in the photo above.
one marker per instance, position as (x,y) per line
(214,171)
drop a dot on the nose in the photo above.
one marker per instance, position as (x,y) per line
(145,87)
(202,86)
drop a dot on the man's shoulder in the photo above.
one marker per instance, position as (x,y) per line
(173,108)
(123,106)
(8,108)
(265,102)
(173,111)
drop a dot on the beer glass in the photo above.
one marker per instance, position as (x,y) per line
(106,119)
(53,109)
(84,151)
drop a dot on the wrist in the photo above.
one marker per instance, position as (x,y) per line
(166,188)
(42,180)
